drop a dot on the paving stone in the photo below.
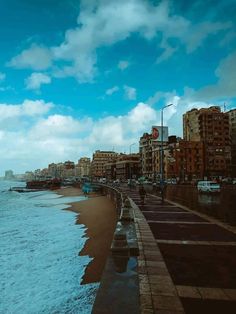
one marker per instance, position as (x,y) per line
(145,302)
(212,293)
(188,292)
(169,312)
(143,279)
(144,288)
(142,269)
(149,252)
(155,263)
(147,311)
(141,263)
(154,258)
(231,293)
(163,289)
(160,279)
(156,270)
(167,303)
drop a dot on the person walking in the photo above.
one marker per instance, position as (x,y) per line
(142,194)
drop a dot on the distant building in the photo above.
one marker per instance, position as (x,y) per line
(150,156)
(84,166)
(9,175)
(185,160)
(100,158)
(191,125)
(123,168)
(211,126)
(232,124)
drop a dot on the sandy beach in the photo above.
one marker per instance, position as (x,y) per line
(98,214)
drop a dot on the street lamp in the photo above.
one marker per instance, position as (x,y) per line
(162,155)
(130,147)
(130,175)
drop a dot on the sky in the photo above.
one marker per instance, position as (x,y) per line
(79,76)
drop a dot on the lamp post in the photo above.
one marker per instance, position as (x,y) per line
(162,155)
(130,176)
(130,147)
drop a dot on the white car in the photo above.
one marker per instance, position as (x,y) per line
(208,187)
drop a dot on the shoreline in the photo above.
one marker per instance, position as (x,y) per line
(99,216)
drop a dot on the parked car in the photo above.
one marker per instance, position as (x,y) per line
(208,187)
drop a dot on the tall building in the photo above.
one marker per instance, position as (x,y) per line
(100,158)
(9,175)
(150,156)
(232,124)
(123,168)
(191,125)
(185,160)
(211,126)
(84,166)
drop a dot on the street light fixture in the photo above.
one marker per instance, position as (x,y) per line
(130,147)
(130,175)
(162,155)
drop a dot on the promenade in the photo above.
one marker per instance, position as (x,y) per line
(187,261)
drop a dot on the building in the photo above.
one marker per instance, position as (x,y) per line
(191,125)
(150,156)
(185,160)
(9,175)
(232,124)
(210,126)
(84,167)
(123,168)
(100,158)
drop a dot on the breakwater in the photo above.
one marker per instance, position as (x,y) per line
(119,287)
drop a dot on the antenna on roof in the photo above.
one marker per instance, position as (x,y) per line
(224,106)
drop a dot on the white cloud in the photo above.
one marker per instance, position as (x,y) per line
(28,108)
(130,92)
(167,53)
(112,90)
(122,65)
(103,23)
(199,32)
(2,77)
(57,138)
(35,80)
(36,58)
(225,87)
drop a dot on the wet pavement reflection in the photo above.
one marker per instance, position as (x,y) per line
(221,206)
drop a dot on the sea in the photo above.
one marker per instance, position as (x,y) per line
(40,266)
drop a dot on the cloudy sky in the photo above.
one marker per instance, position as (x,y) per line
(76,76)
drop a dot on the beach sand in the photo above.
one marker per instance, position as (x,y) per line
(98,214)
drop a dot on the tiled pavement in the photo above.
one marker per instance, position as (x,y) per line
(187,261)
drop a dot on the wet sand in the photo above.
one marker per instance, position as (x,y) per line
(99,216)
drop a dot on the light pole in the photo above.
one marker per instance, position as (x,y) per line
(130,176)
(130,147)
(162,155)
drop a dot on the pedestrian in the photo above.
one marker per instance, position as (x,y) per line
(142,194)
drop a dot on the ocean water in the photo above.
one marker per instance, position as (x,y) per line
(40,269)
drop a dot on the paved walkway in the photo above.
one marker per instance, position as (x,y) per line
(187,261)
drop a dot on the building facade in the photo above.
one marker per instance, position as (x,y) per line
(232,125)
(100,158)
(210,126)
(84,167)
(185,160)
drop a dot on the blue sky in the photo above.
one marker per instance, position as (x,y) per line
(76,76)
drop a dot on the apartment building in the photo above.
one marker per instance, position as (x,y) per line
(150,156)
(232,125)
(84,166)
(210,126)
(185,160)
(100,158)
